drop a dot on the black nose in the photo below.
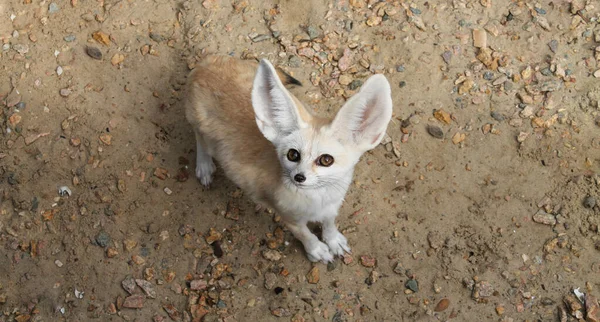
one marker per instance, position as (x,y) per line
(299,177)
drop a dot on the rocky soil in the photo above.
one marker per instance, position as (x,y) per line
(482,204)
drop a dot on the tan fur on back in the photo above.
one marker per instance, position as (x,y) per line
(219,107)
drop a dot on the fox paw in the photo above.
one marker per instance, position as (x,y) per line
(204,172)
(319,253)
(338,244)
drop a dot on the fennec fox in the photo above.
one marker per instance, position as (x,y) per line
(276,150)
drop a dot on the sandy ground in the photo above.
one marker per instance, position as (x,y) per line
(482,205)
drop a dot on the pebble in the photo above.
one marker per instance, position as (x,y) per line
(412,285)
(542,217)
(172,312)
(260,38)
(147,287)
(272,255)
(21,49)
(270,280)
(479,38)
(134,302)
(53,8)
(400,69)
(442,305)
(312,32)
(93,52)
(447,56)
(498,116)
(597,73)
(198,285)
(103,239)
(355,84)
(487,75)
(65,92)
(156,37)
(129,284)
(553,44)
(313,275)
(592,308)
(69,38)
(435,131)
(368,261)
(482,289)
(589,202)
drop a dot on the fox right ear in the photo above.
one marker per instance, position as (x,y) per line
(274,109)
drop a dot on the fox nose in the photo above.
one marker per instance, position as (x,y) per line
(300,178)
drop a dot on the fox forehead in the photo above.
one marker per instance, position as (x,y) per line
(315,141)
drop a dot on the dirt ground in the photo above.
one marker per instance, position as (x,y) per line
(482,205)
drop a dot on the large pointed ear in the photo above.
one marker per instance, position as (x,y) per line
(276,113)
(363,120)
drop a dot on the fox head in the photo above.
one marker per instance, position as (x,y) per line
(312,154)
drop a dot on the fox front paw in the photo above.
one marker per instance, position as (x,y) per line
(204,172)
(338,244)
(319,253)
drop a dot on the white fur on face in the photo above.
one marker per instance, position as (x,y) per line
(312,144)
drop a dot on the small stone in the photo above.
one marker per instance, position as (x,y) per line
(129,244)
(53,8)
(111,252)
(65,92)
(402,84)
(58,263)
(93,52)
(487,75)
(280,312)
(373,278)
(101,37)
(400,69)
(345,61)
(481,290)
(500,80)
(479,38)
(312,32)
(498,116)
(69,38)
(105,138)
(412,285)
(306,52)
(313,275)
(542,217)
(553,44)
(161,173)
(270,280)
(442,305)
(435,131)
(272,255)
(368,261)
(589,202)
(129,285)
(117,59)
(156,37)
(447,56)
(147,287)
(138,260)
(458,138)
(172,312)
(260,38)
(134,302)
(102,239)
(500,310)
(198,285)
(597,73)
(443,116)
(355,84)
(592,308)
(522,137)
(345,79)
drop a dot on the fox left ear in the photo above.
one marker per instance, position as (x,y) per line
(363,120)
(276,113)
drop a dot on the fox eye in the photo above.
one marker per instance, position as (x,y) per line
(293,155)
(325,160)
